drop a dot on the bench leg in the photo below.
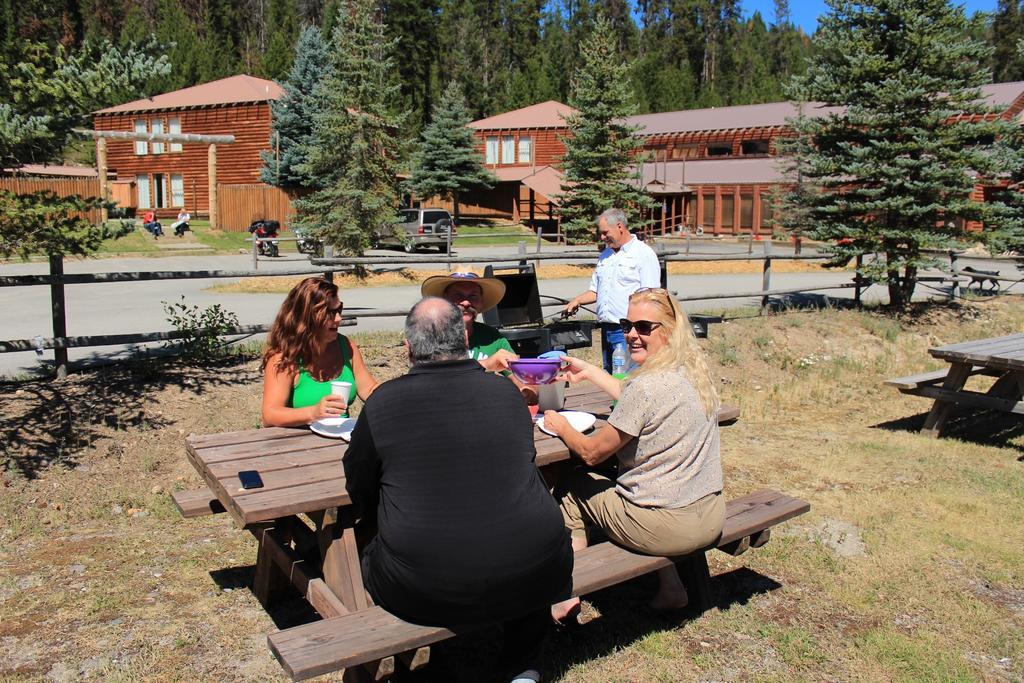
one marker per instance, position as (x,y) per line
(693,570)
(940,412)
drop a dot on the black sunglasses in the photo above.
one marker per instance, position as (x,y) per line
(643,327)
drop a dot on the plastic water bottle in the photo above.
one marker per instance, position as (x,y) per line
(620,357)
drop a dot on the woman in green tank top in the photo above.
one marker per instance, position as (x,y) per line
(305,353)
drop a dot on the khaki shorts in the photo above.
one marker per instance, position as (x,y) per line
(592,501)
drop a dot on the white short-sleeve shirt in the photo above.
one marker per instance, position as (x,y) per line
(619,274)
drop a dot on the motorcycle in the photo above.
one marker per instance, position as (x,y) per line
(266,233)
(307,244)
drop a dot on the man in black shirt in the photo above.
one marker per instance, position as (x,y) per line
(443,460)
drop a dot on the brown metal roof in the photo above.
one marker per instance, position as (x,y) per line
(724,118)
(56,170)
(231,90)
(546,181)
(1002,94)
(774,113)
(674,177)
(548,114)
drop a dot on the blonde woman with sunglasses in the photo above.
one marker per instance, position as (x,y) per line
(666,499)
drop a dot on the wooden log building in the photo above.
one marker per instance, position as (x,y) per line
(168,177)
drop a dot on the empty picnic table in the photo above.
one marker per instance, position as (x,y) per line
(999,357)
(302,474)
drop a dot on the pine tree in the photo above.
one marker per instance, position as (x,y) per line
(292,115)
(447,163)
(1007,30)
(893,170)
(600,148)
(282,24)
(45,93)
(356,147)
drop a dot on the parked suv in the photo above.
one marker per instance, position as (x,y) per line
(416,228)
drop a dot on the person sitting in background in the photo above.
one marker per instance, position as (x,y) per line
(666,499)
(467,531)
(150,223)
(305,353)
(181,226)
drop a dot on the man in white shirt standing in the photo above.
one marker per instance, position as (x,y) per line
(625,265)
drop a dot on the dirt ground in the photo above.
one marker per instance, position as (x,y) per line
(908,567)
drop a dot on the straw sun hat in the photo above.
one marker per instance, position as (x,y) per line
(493,288)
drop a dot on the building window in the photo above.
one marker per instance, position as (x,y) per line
(177,190)
(525,150)
(728,207)
(767,211)
(709,210)
(492,150)
(685,152)
(720,149)
(141,146)
(143,185)
(174,128)
(508,150)
(753,148)
(747,211)
(158,127)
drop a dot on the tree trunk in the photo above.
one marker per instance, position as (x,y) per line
(455,207)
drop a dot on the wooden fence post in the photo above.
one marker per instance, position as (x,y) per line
(255,251)
(101,170)
(766,275)
(662,264)
(60,327)
(857,282)
(211,168)
(954,290)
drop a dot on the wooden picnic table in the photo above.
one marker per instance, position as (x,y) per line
(999,357)
(302,474)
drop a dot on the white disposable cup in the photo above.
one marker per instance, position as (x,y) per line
(343,389)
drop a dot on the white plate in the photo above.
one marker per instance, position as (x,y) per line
(334,427)
(580,421)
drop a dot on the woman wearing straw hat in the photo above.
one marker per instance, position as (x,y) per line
(474,295)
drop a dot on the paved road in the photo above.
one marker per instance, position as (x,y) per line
(126,307)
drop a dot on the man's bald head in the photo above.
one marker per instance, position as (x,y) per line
(434,331)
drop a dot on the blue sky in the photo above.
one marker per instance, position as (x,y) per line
(805,12)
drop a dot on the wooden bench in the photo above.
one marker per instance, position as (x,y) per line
(914,384)
(371,635)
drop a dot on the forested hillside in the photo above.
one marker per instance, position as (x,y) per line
(505,53)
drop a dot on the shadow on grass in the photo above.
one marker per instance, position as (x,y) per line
(982,427)
(624,618)
(45,423)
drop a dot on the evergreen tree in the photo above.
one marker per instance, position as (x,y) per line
(355,145)
(292,115)
(43,95)
(282,24)
(600,148)
(413,24)
(1007,29)
(894,169)
(447,163)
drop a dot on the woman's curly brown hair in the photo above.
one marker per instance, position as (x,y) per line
(303,315)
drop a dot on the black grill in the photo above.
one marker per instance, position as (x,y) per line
(520,319)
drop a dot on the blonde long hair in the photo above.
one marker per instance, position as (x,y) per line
(681,349)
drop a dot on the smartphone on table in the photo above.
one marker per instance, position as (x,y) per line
(250,479)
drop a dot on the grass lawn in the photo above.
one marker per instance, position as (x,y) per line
(909,566)
(201,239)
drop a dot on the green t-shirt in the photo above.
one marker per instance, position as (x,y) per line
(307,391)
(485,340)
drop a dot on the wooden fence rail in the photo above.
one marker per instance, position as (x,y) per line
(57,279)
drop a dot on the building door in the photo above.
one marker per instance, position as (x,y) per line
(159,195)
(143,185)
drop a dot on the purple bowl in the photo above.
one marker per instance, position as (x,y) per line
(535,370)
